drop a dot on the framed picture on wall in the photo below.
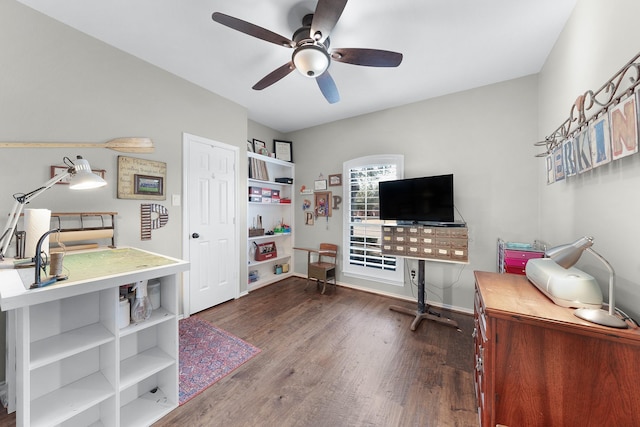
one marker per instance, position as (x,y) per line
(319,184)
(335,180)
(283,150)
(141,179)
(323,203)
(146,184)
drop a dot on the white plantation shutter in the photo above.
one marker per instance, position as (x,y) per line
(362,256)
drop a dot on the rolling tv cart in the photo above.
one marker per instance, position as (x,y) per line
(433,243)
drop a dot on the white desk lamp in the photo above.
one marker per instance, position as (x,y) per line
(566,256)
(81,178)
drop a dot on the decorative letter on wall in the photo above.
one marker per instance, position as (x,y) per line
(624,129)
(150,222)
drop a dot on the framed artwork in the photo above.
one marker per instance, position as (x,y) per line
(56,170)
(250,146)
(323,203)
(283,150)
(335,180)
(623,121)
(149,185)
(141,179)
(320,184)
(260,147)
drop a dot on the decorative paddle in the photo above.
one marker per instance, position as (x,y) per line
(126,145)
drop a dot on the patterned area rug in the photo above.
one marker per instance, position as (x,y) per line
(207,354)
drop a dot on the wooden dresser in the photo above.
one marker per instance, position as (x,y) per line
(539,365)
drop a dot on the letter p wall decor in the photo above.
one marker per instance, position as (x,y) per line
(152,217)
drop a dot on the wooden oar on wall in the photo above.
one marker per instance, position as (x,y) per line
(125,145)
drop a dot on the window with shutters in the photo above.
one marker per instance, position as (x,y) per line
(362,254)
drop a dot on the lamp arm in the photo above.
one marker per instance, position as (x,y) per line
(7,232)
(612,279)
(18,205)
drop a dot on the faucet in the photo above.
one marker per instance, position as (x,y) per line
(37,259)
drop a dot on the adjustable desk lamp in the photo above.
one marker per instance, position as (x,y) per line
(568,255)
(81,178)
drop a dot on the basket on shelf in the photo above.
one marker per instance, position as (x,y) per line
(255,232)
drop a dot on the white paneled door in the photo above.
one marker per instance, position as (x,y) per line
(210,215)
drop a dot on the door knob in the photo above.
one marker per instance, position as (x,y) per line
(195,235)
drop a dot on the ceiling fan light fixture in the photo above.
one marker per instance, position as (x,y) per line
(311,60)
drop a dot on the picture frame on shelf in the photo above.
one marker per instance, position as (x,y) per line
(260,147)
(250,146)
(319,184)
(283,150)
(335,180)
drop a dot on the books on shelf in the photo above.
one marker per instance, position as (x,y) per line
(258,169)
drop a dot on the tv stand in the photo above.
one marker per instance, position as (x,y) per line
(423,311)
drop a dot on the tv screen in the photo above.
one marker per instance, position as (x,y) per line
(428,199)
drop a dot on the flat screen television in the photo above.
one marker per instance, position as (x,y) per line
(418,200)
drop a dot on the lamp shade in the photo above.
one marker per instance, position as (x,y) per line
(82,178)
(311,60)
(568,255)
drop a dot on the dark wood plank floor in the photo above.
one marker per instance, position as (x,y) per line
(341,359)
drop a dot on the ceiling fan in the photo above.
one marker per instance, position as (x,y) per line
(310,44)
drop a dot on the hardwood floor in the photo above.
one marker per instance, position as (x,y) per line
(341,359)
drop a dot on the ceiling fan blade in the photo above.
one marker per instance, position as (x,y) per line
(274,76)
(325,18)
(328,87)
(367,57)
(251,29)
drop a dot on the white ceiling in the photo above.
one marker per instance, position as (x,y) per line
(448,46)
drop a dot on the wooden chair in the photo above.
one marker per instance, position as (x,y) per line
(324,267)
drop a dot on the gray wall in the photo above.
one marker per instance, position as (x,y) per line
(597,41)
(483,136)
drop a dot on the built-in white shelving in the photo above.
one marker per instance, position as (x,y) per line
(272,214)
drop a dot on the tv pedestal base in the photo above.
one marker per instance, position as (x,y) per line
(423,311)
